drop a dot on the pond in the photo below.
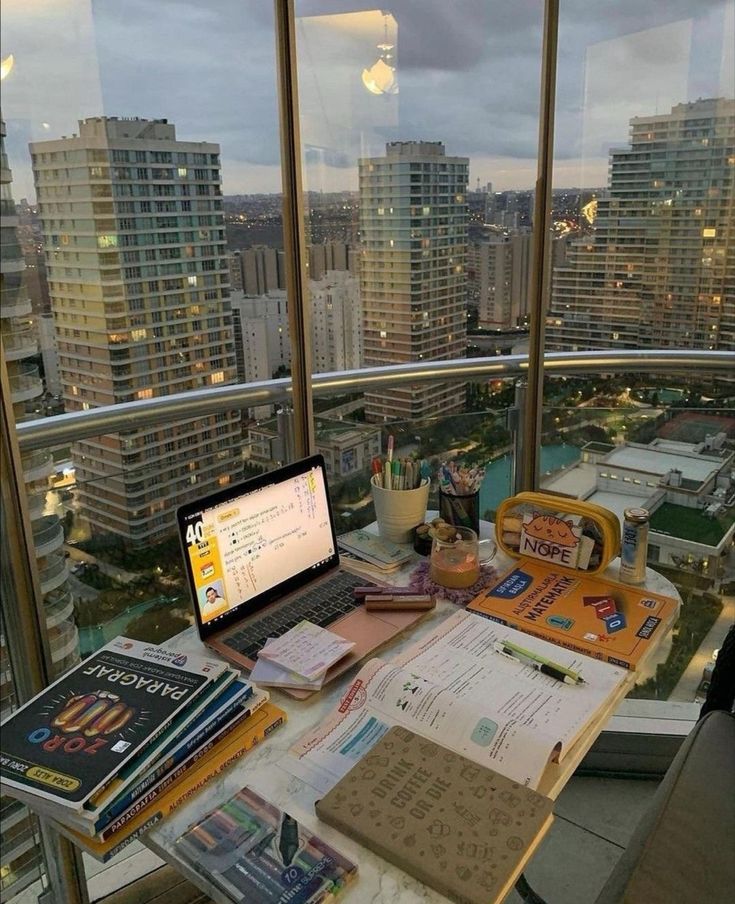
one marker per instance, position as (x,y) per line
(496,485)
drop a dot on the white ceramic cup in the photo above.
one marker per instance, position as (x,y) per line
(399,511)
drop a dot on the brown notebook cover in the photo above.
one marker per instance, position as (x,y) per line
(461,828)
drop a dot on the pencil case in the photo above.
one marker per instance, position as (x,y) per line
(569,533)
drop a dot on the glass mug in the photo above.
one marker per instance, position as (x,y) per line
(456,563)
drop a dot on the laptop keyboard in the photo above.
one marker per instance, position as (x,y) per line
(321,606)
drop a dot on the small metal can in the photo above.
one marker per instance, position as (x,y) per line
(634,547)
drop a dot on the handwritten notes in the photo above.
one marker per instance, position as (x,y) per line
(307,650)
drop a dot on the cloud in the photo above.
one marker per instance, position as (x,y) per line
(468,73)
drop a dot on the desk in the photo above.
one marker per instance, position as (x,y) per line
(379,882)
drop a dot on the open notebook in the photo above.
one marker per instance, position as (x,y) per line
(453,688)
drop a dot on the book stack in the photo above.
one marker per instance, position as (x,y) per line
(363,553)
(124,738)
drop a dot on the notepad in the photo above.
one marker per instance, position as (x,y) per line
(272,675)
(307,650)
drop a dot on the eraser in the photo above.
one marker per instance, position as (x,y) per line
(512,539)
(586,547)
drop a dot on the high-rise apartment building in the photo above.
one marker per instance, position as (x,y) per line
(336,322)
(413,230)
(326,256)
(262,341)
(658,269)
(135,249)
(20,862)
(257,270)
(498,271)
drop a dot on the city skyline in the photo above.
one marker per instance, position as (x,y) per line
(222,61)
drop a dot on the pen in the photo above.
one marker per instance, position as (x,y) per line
(545,666)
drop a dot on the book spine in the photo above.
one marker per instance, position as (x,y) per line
(91,846)
(130,808)
(107,828)
(165,725)
(198,743)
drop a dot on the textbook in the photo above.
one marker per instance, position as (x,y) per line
(454,687)
(355,565)
(258,854)
(249,733)
(72,739)
(460,828)
(166,771)
(156,790)
(615,622)
(157,747)
(378,552)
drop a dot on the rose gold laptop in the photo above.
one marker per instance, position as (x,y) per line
(262,556)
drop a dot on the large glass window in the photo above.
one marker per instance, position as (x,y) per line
(415,135)
(643,210)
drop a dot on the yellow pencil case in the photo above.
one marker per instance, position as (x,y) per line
(568,533)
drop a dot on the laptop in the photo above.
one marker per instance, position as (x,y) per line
(262,555)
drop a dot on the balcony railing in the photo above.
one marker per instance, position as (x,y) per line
(21,343)
(77,425)
(53,572)
(25,383)
(48,535)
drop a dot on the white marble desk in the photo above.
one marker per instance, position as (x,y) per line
(379,882)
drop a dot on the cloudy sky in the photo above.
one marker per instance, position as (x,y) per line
(468,72)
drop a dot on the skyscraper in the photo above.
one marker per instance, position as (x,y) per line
(20,857)
(498,270)
(135,247)
(658,268)
(413,230)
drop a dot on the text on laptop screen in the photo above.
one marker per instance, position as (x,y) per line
(242,548)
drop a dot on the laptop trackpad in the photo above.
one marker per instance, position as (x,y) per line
(369,630)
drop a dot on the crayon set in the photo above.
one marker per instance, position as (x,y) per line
(258,854)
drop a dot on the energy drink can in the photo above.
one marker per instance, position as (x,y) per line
(634,547)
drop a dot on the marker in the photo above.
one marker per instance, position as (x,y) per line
(545,666)
(390,448)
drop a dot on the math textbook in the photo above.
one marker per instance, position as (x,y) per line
(237,743)
(452,824)
(258,854)
(615,622)
(74,737)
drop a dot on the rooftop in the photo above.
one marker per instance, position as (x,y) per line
(654,460)
(690,524)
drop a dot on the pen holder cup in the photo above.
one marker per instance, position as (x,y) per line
(460,511)
(399,511)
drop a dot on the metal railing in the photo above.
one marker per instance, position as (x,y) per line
(65,428)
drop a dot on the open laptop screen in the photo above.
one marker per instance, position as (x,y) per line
(251,544)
